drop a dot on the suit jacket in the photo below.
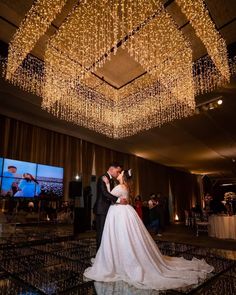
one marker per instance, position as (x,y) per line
(104,198)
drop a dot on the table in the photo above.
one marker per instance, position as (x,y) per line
(222,227)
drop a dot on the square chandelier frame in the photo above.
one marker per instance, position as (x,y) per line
(83,44)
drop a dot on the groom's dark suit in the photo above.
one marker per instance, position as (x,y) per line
(102,204)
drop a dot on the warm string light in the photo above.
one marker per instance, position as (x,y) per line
(35,24)
(166,55)
(205,29)
(166,61)
(93,28)
(139,111)
(88,38)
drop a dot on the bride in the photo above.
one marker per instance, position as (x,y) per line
(128,253)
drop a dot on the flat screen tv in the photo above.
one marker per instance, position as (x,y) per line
(50,180)
(1,165)
(28,180)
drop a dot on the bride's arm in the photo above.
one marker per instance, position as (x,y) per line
(119,199)
(105,179)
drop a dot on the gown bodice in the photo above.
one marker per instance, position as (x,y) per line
(120,191)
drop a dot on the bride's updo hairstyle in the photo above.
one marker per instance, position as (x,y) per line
(128,181)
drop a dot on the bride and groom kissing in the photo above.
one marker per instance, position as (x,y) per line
(105,198)
(126,250)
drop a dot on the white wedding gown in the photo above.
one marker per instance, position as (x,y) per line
(129,253)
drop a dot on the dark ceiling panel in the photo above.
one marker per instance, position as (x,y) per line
(222,11)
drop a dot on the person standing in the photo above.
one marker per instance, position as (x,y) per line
(128,253)
(154,217)
(105,199)
(138,206)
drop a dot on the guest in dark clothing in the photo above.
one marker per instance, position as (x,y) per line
(217,206)
(234,206)
(163,210)
(154,218)
(196,210)
(145,213)
(138,206)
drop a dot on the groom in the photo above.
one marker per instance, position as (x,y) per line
(105,199)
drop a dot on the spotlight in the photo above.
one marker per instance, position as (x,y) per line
(209,105)
(77,177)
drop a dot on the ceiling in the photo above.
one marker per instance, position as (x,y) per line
(202,144)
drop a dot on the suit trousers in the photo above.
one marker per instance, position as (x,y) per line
(100,221)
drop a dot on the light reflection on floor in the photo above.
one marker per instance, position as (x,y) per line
(52,262)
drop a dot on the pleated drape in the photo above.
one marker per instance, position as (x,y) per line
(185,190)
(22,141)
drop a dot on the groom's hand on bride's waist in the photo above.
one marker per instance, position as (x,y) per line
(123,201)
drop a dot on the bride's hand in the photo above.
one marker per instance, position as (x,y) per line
(105,179)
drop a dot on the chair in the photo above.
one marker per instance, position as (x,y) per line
(201,223)
(187,218)
(201,226)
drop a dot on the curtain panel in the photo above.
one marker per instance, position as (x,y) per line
(23,141)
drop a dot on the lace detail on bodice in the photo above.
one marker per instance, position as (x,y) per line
(120,191)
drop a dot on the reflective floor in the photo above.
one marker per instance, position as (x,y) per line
(53,262)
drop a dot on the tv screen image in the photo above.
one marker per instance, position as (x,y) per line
(26,179)
(1,164)
(18,178)
(17,169)
(50,179)
(49,173)
(51,189)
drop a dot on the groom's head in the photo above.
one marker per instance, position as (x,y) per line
(114,169)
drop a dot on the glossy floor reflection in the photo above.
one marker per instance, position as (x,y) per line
(53,263)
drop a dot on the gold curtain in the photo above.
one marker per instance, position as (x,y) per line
(185,190)
(152,178)
(87,162)
(22,141)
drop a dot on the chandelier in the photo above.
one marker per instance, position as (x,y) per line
(88,38)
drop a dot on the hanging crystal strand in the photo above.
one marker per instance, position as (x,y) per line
(116,24)
(108,28)
(128,21)
(122,20)
(100,23)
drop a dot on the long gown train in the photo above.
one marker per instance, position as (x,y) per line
(129,253)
